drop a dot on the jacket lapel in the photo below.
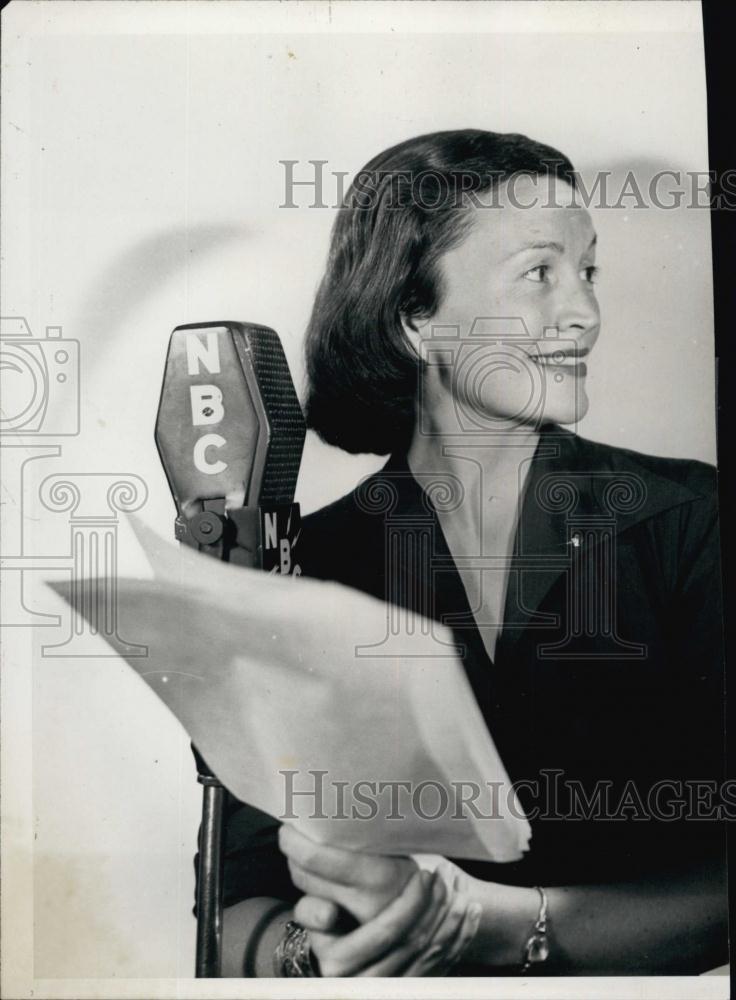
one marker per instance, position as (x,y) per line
(577,494)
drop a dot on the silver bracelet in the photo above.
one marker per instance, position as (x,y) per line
(293,957)
(536,949)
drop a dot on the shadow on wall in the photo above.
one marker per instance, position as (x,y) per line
(136,274)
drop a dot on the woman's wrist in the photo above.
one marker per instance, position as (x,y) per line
(509,914)
(265,943)
(252,931)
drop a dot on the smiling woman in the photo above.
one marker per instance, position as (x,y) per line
(581,581)
(529,266)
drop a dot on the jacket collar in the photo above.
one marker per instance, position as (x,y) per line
(570,478)
(573,485)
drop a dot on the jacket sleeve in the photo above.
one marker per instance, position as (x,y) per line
(697,624)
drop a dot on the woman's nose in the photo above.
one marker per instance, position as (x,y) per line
(578,311)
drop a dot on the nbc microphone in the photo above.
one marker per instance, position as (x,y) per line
(230,434)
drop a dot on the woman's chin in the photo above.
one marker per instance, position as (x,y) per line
(566,411)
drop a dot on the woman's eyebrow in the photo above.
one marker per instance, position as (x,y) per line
(546,245)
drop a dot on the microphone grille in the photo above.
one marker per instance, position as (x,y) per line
(285,418)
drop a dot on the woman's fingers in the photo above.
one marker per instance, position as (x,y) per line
(440,953)
(349,868)
(315,885)
(445,930)
(344,896)
(361,903)
(345,956)
(316,914)
(405,953)
(448,947)
(332,863)
(465,934)
(432,937)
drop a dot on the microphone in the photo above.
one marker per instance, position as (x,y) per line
(230,434)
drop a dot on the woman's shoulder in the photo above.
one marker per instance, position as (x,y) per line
(680,495)
(691,478)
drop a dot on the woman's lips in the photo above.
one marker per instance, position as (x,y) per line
(567,364)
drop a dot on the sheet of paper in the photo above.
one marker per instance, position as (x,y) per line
(265,673)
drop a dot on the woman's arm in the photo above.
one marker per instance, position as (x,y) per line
(666,922)
(674,923)
(251,930)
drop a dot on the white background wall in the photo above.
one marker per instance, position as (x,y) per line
(142,188)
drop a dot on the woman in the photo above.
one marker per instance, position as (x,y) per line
(581,581)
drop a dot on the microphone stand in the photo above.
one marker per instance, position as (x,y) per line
(250,397)
(211,866)
(207,530)
(237,537)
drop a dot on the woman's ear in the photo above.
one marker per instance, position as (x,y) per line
(412,334)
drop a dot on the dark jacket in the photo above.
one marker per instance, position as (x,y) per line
(608,675)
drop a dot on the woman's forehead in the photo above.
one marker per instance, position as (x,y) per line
(534,215)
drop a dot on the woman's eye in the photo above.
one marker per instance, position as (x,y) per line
(590,274)
(538,273)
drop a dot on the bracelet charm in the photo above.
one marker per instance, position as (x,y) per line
(536,949)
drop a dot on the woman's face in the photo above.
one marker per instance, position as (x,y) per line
(518,313)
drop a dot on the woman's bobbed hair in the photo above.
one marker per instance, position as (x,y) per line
(404,210)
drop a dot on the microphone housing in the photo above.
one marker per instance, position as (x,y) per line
(229,425)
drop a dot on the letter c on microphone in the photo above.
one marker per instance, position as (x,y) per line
(201,462)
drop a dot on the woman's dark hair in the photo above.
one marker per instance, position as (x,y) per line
(406,208)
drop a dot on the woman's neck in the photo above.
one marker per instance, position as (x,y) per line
(492,472)
(492,465)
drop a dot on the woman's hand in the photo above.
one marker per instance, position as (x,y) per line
(422,932)
(362,884)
